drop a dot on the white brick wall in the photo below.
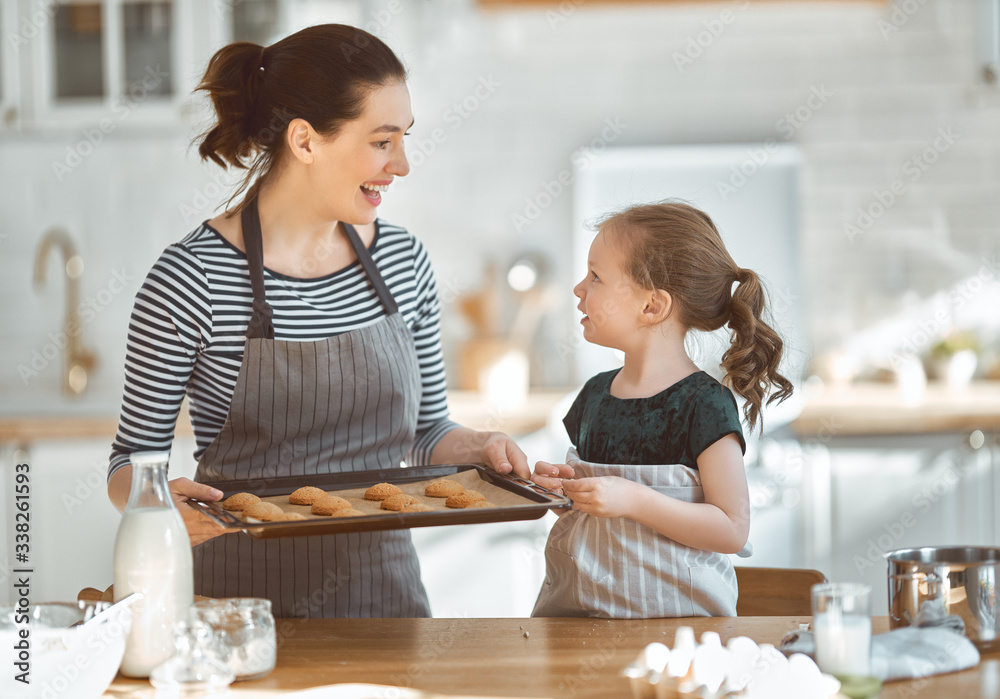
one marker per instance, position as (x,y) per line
(559,83)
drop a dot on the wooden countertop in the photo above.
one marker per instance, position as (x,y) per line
(467,408)
(857,409)
(557,658)
(878,409)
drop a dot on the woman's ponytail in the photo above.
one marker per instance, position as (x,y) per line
(232,80)
(751,362)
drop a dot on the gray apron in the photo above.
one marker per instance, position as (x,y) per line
(346,403)
(616,568)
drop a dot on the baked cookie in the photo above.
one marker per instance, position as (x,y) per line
(240,501)
(398,502)
(264,511)
(464,499)
(443,488)
(292,517)
(349,512)
(306,495)
(329,504)
(417,507)
(380,491)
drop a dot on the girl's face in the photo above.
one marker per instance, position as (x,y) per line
(359,163)
(611,301)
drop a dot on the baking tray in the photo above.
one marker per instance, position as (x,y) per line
(522,498)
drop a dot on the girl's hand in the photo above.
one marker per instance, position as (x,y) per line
(200,527)
(502,454)
(604,496)
(550,475)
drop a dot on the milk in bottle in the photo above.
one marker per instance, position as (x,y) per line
(152,557)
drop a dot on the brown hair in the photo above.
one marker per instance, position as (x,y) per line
(322,74)
(675,247)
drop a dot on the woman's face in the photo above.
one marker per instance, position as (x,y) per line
(357,165)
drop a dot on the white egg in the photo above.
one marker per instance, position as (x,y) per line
(711,665)
(743,655)
(655,657)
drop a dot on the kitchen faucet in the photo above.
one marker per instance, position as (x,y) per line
(79,362)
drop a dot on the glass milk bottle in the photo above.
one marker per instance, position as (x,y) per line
(152,557)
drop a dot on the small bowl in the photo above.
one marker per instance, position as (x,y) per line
(67,658)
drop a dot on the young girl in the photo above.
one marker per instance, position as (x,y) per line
(656,472)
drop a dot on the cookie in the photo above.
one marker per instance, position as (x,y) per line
(380,491)
(264,511)
(464,499)
(306,495)
(349,512)
(240,501)
(443,488)
(292,517)
(329,505)
(398,502)
(417,507)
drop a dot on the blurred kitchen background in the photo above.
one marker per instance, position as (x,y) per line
(849,151)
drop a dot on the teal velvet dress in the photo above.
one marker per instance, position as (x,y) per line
(673,427)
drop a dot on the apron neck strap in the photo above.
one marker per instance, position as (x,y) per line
(261,325)
(365,258)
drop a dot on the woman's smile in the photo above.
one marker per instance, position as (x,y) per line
(372,191)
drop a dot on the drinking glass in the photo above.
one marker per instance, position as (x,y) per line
(243,633)
(842,627)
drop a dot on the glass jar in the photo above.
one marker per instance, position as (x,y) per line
(193,671)
(243,633)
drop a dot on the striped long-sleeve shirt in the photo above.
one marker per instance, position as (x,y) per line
(189,322)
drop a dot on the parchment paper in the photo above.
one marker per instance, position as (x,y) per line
(470,480)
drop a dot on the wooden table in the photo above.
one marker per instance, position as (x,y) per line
(557,657)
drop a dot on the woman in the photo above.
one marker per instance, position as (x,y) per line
(304,331)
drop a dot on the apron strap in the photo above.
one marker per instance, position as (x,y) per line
(365,258)
(261,325)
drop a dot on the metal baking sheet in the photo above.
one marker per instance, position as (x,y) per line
(512,498)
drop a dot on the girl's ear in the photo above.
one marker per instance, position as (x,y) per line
(300,140)
(659,306)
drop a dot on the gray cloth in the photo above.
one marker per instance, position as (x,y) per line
(619,569)
(905,653)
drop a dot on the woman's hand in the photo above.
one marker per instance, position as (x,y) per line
(200,527)
(502,454)
(604,496)
(496,450)
(550,475)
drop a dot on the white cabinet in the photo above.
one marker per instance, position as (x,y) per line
(890,493)
(72,522)
(103,63)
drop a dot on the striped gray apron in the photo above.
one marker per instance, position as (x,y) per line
(616,568)
(346,403)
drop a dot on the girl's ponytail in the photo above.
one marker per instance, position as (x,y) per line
(751,362)
(232,80)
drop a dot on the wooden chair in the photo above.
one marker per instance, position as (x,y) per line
(776,591)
